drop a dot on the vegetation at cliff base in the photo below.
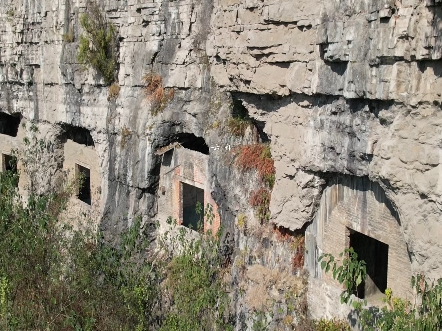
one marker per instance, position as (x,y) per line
(422,313)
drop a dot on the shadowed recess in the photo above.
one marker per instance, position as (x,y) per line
(9,124)
(192,142)
(76,134)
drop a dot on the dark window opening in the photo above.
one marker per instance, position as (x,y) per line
(9,163)
(9,124)
(77,134)
(375,255)
(167,158)
(84,176)
(191,197)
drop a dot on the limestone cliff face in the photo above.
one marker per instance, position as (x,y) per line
(341,90)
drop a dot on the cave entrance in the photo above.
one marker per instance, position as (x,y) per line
(83,174)
(77,134)
(9,124)
(191,196)
(375,255)
(190,141)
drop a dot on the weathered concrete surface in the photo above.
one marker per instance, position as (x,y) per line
(338,87)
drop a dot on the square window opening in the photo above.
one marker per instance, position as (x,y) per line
(375,255)
(9,163)
(83,174)
(191,196)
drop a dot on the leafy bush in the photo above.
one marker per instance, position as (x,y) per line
(54,278)
(98,46)
(424,313)
(194,282)
(156,93)
(351,273)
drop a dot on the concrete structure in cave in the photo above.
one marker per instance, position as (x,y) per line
(81,162)
(184,182)
(356,212)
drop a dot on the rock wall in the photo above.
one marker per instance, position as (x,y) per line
(338,88)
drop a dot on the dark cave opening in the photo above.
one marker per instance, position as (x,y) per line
(9,124)
(77,134)
(192,142)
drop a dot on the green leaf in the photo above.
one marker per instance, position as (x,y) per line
(358,280)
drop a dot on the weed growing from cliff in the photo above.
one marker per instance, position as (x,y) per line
(240,120)
(257,157)
(157,95)
(125,134)
(260,200)
(98,44)
(114,91)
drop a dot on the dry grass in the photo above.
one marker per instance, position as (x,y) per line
(157,95)
(125,134)
(114,91)
(238,126)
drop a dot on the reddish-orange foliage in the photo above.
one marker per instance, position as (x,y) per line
(256,157)
(260,200)
(298,259)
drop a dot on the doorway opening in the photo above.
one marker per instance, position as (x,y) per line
(83,174)
(9,163)
(191,197)
(375,255)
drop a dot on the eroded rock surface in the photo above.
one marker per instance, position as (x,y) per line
(339,88)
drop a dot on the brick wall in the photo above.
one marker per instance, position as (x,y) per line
(188,167)
(361,205)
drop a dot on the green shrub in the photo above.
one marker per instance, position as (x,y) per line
(98,44)
(54,278)
(194,281)
(424,313)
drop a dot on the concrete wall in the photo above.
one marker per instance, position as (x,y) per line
(78,211)
(181,165)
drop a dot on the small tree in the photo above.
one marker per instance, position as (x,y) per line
(98,44)
(351,273)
